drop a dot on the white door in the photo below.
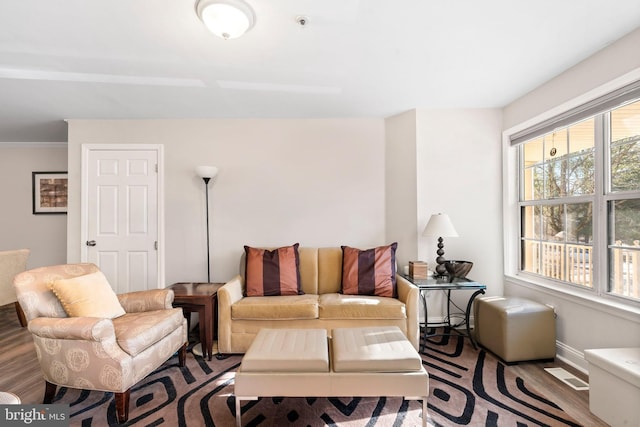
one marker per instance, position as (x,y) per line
(121,215)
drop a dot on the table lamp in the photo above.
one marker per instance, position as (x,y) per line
(440,225)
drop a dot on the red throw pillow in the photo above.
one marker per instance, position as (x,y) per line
(270,273)
(370,271)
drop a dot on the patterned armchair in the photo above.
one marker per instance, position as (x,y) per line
(94,353)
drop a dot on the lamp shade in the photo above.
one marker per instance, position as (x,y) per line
(207,171)
(226,18)
(440,225)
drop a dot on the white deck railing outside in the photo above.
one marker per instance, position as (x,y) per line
(573,263)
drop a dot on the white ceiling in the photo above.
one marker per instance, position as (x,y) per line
(139,59)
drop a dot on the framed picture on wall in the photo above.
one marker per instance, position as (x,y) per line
(50,192)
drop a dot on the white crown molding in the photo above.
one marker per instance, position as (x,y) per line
(40,144)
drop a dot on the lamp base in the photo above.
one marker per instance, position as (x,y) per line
(441,270)
(197,351)
(441,275)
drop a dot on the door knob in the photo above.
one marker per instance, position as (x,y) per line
(91,242)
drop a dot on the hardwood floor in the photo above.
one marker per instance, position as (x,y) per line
(19,368)
(573,402)
(20,373)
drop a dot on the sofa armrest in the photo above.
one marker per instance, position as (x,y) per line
(152,299)
(73,328)
(409,294)
(230,293)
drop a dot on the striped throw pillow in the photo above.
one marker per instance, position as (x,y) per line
(271,273)
(370,271)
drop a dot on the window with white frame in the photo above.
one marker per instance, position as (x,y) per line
(579,196)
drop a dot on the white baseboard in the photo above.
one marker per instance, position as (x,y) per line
(572,357)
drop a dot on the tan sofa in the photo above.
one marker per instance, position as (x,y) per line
(322,305)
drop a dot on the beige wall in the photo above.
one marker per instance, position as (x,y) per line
(317,182)
(447,161)
(45,235)
(401,185)
(460,174)
(582,322)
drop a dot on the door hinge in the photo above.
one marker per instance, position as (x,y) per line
(155,245)
(156,168)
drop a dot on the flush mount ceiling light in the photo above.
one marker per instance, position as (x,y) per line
(226,18)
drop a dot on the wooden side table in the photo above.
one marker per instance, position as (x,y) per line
(202,299)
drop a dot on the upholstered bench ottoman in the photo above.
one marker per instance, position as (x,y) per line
(515,329)
(614,385)
(375,361)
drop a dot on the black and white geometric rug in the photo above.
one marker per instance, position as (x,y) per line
(467,387)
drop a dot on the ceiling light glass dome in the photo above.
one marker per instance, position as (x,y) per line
(226,18)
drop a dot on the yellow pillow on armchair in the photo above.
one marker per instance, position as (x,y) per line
(88,296)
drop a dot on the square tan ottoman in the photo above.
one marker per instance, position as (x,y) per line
(515,329)
(376,361)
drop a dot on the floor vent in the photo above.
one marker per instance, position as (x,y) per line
(568,378)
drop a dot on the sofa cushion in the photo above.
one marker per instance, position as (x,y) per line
(370,271)
(285,307)
(135,332)
(272,272)
(89,295)
(339,306)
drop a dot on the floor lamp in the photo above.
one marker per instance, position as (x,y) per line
(440,226)
(207,173)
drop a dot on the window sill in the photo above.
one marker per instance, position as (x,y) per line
(610,305)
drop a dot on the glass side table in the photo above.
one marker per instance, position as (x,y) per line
(443,283)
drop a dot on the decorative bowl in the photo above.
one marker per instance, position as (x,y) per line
(458,268)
